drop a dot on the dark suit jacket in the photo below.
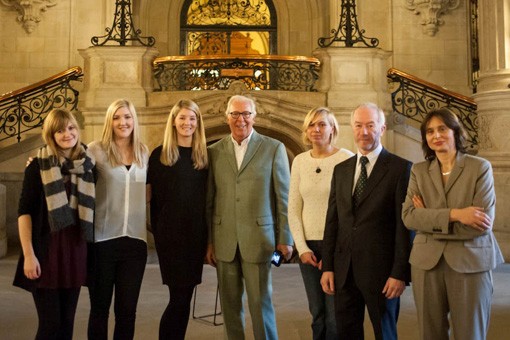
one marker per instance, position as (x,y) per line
(371,238)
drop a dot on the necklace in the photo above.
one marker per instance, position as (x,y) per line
(318,170)
(446,173)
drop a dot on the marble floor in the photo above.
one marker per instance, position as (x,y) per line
(18,319)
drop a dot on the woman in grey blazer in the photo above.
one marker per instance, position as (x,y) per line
(450,204)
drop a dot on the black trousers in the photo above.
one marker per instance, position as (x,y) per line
(56,309)
(350,304)
(115,265)
(174,320)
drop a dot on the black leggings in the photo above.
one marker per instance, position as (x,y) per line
(115,264)
(56,309)
(174,320)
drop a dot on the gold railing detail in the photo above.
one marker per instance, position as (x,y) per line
(216,72)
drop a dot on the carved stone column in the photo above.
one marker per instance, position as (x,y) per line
(113,72)
(351,76)
(493,99)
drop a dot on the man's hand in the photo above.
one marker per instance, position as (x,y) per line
(393,288)
(210,258)
(286,251)
(328,283)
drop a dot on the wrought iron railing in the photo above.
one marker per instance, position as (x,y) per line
(25,109)
(414,98)
(216,72)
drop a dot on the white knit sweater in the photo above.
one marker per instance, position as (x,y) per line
(309,194)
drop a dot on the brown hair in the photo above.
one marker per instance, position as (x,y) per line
(56,120)
(452,122)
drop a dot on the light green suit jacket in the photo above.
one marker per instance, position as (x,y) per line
(248,207)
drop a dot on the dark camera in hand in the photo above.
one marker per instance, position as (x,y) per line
(277,258)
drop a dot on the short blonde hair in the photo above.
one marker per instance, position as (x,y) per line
(56,120)
(107,140)
(170,152)
(311,115)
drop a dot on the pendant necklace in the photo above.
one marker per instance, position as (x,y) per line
(317,163)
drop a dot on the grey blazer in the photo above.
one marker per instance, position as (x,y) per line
(248,207)
(465,249)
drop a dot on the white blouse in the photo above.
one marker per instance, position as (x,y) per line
(309,195)
(120,198)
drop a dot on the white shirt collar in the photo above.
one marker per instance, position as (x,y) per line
(372,156)
(244,142)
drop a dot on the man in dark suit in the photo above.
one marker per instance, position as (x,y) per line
(366,245)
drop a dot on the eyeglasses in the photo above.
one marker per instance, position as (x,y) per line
(236,114)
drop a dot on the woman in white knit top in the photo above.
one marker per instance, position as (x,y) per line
(310,184)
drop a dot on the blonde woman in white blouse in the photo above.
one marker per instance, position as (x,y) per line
(118,255)
(310,184)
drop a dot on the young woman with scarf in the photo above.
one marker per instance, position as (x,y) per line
(56,212)
(119,252)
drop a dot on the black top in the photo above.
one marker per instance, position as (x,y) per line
(62,255)
(178,217)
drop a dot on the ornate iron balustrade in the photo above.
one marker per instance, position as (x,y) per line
(25,109)
(216,72)
(415,97)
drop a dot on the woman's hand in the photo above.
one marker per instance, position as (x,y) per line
(309,258)
(418,201)
(31,267)
(475,217)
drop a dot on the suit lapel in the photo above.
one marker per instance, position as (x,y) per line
(435,176)
(350,170)
(253,146)
(229,150)
(456,171)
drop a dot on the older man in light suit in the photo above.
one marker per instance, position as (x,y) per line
(247,217)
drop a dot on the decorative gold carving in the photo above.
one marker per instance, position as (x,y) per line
(431,11)
(30,11)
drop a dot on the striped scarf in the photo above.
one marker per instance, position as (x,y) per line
(62,212)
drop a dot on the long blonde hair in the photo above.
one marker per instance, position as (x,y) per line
(56,120)
(108,143)
(170,152)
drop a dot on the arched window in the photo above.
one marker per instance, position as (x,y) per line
(228,27)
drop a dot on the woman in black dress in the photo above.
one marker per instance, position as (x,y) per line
(177,181)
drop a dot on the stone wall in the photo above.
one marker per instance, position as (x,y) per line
(3,226)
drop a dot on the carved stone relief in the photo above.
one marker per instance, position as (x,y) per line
(30,11)
(431,11)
